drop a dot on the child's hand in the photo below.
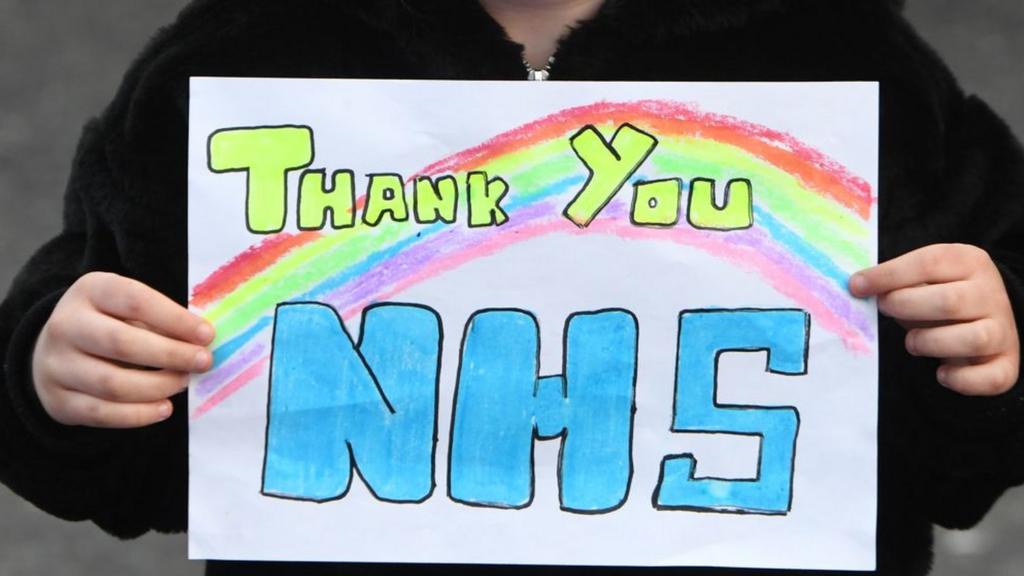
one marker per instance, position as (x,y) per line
(952,300)
(114,351)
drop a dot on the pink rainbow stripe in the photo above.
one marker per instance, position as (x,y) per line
(753,250)
(250,374)
(753,254)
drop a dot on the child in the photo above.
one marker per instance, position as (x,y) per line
(85,432)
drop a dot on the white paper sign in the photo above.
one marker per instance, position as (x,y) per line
(534,323)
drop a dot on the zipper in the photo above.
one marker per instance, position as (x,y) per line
(539,75)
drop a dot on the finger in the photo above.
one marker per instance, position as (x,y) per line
(77,409)
(131,300)
(987,379)
(934,303)
(912,324)
(112,339)
(107,381)
(967,340)
(929,265)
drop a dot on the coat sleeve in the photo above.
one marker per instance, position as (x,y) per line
(976,445)
(959,178)
(126,481)
(124,213)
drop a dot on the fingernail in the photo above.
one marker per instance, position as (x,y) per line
(911,345)
(202,360)
(858,284)
(204,332)
(164,411)
(941,375)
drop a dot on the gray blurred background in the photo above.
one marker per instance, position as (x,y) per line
(60,61)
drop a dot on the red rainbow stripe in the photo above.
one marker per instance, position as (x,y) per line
(246,265)
(812,167)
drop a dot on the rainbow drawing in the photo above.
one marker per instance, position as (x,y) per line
(812,231)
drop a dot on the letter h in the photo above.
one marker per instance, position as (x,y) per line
(503,406)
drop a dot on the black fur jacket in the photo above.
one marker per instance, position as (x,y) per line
(950,172)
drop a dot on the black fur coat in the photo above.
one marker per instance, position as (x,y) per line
(950,171)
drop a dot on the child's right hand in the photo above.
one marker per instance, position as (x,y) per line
(113,351)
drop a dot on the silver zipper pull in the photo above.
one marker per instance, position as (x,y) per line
(540,75)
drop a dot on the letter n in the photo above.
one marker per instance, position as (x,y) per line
(336,405)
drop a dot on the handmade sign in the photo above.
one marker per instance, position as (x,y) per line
(557,324)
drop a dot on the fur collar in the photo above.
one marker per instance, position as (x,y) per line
(656,18)
(669,17)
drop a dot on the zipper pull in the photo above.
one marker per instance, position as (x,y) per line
(540,75)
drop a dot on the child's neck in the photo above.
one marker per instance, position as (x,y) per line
(539,24)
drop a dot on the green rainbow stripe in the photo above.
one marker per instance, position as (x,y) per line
(812,232)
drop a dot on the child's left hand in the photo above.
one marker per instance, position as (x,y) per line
(952,300)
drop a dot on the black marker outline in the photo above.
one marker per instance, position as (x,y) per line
(563,433)
(610,146)
(435,184)
(743,407)
(636,202)
(327,190)
(353,464)
(493,213)
(632,410)
(371,180)
(455,411)
(248,171)
(724,206)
